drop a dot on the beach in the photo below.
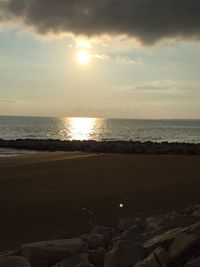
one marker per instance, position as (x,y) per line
(52,195)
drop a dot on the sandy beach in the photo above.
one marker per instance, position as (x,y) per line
(57,195)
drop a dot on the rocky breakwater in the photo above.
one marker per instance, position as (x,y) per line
(158,241)
(103,146)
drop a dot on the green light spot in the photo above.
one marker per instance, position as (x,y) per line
(121,205)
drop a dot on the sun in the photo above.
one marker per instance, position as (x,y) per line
(83,57)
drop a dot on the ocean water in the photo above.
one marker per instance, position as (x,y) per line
(100,129)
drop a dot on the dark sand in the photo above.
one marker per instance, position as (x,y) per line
(59,195)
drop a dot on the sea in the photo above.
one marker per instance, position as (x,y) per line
(75,128)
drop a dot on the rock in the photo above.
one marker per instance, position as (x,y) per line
(162,256)
(47,253)
(14,261)
(153,223)
(124,254)
(124,224)
(163,240)
(140,238)
(72,261)
(96,257)
(191,209)
(182,244)
(105,231)
(150,261)
(158,258)
(160,224)
(94,240)
(193,229)
(178,220)
(196,213)
(136,229)
(193,263)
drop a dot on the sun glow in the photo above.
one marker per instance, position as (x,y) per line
(83,57)
(81,128)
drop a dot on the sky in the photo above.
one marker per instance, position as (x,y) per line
(108,58)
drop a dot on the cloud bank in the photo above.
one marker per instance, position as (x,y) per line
(147,20)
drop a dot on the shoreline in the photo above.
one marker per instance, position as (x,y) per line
(91,146)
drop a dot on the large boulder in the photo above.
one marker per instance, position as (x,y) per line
(136,237)
(153,223)
(162,223)
(127,223)
(135,229)
(191,209)
(96,257)
(14,261)
(182,244)
(158,258)
(150,261)
(94,240)
(72,261)
(163,240)
(193,229)
(47,253)
(162,256)
(178,220)
(105,231)
(124,224)
(124,254)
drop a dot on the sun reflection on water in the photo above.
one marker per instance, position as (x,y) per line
(79,128)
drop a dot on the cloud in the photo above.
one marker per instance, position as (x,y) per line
(147,20)
(127,60)
(101,56)
(159,86)
(7,101)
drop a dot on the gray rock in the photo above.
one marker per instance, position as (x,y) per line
(124,224)
(124,254)
(160,230)
(140,238)
(150,261)
(105,231)
(177,220)
(193,229)
(94,240)
(162,223)
(153,223)
(73,261)
(191,209)
(196,213)
(14,261)
(183,243)
(158,258)
(47,253)
(96,257)
(163,240)
(136,229)
(162,256)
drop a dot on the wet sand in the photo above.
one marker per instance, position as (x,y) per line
(58,195)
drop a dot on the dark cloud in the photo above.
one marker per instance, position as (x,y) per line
(148,20)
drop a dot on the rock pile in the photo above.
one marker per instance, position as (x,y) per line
(159,241)
(103,146)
